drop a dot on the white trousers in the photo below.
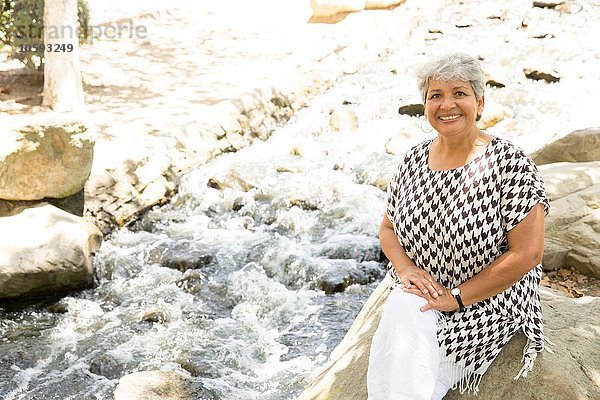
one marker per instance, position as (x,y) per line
(405,362)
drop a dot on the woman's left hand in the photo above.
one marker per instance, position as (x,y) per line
(445,302)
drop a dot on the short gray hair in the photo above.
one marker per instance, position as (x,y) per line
(452,67)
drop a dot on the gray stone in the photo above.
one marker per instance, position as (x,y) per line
(573,225)
(44,250)
(413,110)
(151,385)
(578,146)
(538,74)
(49,157)
(568,374)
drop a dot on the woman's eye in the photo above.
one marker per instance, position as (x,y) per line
(461,94)
(434,96)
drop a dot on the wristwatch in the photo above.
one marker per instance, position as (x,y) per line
(456,293)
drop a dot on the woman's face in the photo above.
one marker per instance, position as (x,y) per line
(451,107)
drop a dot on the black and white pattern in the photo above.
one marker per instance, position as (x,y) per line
(454,223)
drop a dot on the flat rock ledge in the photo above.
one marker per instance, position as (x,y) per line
(45,251)
(568,374)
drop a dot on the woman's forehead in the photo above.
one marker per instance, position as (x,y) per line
(448,85)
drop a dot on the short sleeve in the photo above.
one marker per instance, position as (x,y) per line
(522,188)
(393,194)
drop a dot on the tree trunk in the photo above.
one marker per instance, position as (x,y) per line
(63,90)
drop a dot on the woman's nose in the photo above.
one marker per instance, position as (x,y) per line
(447,103)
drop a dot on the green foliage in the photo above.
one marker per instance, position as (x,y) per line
(22,23)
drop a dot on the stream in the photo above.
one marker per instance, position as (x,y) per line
(251,275)
(244,283)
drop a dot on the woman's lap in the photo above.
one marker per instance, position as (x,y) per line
(404,358)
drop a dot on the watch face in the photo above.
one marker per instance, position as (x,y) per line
(455,291)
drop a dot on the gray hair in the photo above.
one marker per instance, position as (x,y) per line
(452,67)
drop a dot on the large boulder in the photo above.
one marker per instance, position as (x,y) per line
(577,146)
(568,374)
(151,385)
(573,225)
(44,250)
(49,157)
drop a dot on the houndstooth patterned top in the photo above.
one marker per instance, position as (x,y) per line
(454,223)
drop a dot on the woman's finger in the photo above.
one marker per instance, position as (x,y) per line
(417,292)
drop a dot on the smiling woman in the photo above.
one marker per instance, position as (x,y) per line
(464,233)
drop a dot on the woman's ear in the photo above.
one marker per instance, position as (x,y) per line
(480,105)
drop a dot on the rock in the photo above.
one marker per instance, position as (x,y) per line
(180,255)
(343,119)
(377,170)
(541,75)
(496,77)
(547,4)
(573,225)
(569,374)
(562,179)
(327,8)
(578,146)
(44,250)
(492,114)
(152,385)
(414,110)
(382,4)
(154,316)
(569,8)
(51,157)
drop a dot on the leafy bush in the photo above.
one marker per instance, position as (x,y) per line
(22,24)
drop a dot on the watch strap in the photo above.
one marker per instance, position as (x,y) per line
(461,306)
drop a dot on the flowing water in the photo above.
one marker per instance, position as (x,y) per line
(249,278)
(243,284)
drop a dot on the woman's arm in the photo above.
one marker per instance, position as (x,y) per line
(525,251)
(405,268)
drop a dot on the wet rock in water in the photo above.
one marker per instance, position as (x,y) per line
(565,375)
(155,316)
(337,275)
(305,204)
(376,170)
(351,247)
(48,157)
(343,119)
(184,263)
(573,225)
(578,146)
(414,110)
(108,366)
(494,83)
(45,250)
(58,308)
(152,385)
(181,255)
(537,74)
(547,4)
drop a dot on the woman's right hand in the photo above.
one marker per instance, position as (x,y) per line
(413,276)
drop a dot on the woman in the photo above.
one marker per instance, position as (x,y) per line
(464,233)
